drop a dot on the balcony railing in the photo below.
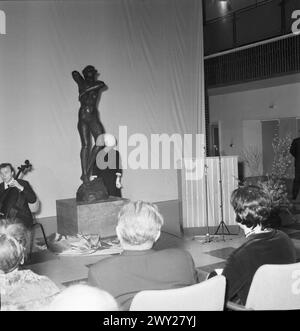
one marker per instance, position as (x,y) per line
(260,21)
(266,60)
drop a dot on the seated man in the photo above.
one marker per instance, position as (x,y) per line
(15,195)
(263,245)
(140,267)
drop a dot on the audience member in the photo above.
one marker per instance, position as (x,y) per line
(16,229)
(20,289)
(140,267)
(263,244)
(83,298)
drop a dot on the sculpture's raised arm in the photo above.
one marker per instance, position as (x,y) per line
(78,78)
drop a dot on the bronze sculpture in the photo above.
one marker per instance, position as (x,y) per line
(89,125)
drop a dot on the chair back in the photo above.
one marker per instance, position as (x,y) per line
(208,295)
(275,287)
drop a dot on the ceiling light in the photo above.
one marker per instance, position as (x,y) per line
(225,5)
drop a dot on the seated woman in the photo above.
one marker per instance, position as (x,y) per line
(263,245)
(20,289)
(16,229)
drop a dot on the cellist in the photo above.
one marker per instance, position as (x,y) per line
(15,195)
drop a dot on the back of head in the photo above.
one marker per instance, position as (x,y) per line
(11,253)
(252,206)
(139,223)
(83,298)
(14,238)
(16,229)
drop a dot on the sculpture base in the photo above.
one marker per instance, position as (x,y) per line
(99,217)
(92,191)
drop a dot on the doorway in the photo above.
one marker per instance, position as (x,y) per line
(214,146)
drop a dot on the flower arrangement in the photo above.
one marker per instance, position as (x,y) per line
(252,158)
(278,192)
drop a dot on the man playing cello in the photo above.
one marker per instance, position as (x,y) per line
(15,195)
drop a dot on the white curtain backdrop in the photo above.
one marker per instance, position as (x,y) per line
(149,54)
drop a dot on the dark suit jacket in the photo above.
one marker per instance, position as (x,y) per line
(295,151)
(109,174)
(27,196)
(273,247)
(133,271)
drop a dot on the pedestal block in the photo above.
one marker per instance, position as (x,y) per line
(88,218)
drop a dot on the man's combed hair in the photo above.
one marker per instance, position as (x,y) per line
(139,222)
(252,206)
(4,165)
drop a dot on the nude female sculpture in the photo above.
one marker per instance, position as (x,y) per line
(89,124)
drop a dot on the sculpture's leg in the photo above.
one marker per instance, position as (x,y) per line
(92,159)
(85,149)
(97,131)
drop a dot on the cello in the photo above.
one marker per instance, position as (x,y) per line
(11,198)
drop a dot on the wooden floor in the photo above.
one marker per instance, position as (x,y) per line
(66,270)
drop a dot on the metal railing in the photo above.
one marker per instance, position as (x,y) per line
(272,18)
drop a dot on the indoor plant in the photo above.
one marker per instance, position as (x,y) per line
(275,182)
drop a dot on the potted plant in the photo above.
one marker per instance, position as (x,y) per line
(275,182)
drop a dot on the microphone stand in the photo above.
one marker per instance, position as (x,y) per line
(207,236)
(222,226)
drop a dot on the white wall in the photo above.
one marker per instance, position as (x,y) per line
(149,53)
(232,108)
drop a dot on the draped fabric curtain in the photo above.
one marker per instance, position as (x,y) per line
(149,54)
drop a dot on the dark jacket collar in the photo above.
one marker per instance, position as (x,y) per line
(132,252)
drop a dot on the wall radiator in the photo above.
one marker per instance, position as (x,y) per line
(195,200)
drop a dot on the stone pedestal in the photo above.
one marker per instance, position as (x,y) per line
(88,218)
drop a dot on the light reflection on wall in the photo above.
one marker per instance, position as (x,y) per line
(224,6)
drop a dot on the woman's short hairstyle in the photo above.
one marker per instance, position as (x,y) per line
(139,223)
(16,229)
(252,206)
(11,253)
